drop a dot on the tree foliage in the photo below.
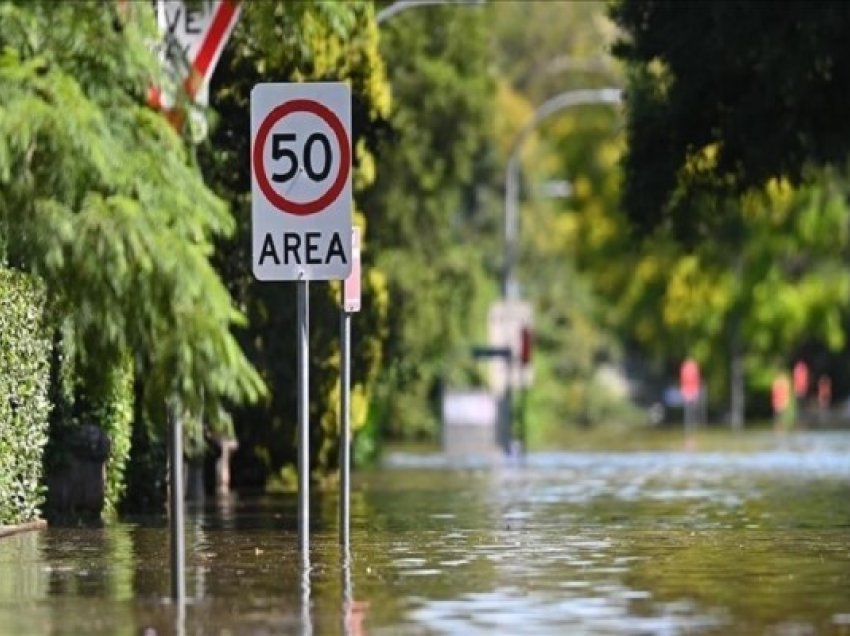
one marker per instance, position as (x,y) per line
(734,176)
(724,96)
(575,257)
(100,199)
(430,228)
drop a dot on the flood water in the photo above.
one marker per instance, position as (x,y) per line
(568,543)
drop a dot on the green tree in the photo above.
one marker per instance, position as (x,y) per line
(712,75)
(786,284)
(724,129)
(575,254)
(100,199)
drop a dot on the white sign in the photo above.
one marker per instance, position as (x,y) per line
(351,287)
(469,408)
(194,35)
(301,181)
(505,323)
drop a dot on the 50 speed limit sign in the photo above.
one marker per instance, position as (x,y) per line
(301,181)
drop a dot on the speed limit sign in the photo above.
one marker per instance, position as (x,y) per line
(301,181)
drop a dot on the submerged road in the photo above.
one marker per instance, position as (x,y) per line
(608,543)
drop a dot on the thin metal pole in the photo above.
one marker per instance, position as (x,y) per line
(303,311)
(345,426)
(178,547)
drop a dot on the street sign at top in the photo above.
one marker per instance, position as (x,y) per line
(301,181)
(194,35)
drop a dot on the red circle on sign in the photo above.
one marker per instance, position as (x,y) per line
(283,204)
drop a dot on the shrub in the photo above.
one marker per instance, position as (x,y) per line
(115,416)
(24,406)
(100,394)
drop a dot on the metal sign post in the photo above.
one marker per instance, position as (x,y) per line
(303,310)
(301,206)
(507,321)
(350,304)
(178,546)
(194,37)
(345,428)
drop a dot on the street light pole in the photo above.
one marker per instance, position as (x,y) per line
(402,5)
(562,101)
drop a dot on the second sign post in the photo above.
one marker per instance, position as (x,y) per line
(301,206)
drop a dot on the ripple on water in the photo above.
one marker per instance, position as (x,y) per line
(513,611)
(615,543)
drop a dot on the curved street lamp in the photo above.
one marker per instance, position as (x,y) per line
(562,101)
(402,5)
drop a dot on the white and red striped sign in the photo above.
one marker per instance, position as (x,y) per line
(351,286)
(194,37)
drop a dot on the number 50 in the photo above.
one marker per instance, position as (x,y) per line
(279,151)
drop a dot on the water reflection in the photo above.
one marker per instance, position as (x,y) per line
(353,612)
(605,542)
(306,616)
(22,554)
(180,617)
(346,598)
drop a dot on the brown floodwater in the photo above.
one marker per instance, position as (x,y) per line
(565,543)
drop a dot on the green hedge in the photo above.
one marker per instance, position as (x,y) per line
(114,414)
(24,406)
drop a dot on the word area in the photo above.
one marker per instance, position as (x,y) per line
(309,248)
